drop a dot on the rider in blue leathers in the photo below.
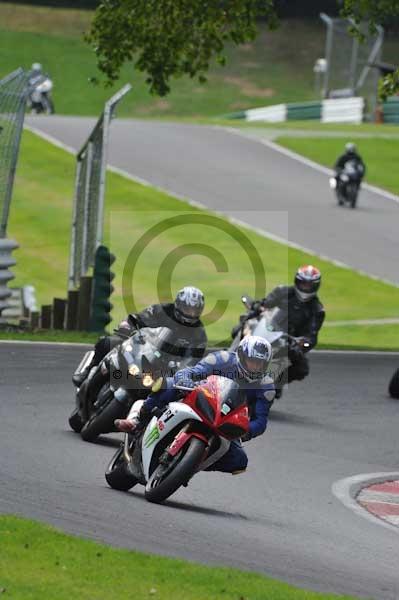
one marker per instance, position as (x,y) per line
(248,366)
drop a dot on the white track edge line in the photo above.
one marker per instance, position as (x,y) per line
(346,490)
(307,161)
(261,232)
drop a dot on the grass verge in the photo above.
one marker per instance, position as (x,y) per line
(40,221)
(381,155)
(39,562)
(268,71)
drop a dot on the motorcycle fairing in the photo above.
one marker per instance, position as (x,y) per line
(158,428)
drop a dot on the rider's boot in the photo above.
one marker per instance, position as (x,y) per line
(137,419)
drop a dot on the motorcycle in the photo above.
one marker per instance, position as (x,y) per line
(125,374)
(40,100)
(183,438)
(393,388)
(347,183)
(271,324)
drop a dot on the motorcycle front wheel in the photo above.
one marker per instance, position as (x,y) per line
(75,421)
(394,385)
(166,479)
(103,415)
(117,475)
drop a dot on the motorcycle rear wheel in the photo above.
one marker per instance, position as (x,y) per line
(117,475)
(103,421)
(159,488)
(394,385)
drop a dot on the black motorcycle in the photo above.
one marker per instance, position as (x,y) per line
(271,325)
(126,374)
(347,183)
(393,388)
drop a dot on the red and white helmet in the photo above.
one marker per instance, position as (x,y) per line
(307,282)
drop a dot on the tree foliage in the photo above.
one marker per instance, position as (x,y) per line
(167,38)
(172,38)
(375,12)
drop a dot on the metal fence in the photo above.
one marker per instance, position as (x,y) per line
(348,69)
(13,95)
(88,210)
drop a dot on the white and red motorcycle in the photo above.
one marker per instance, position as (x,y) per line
(181,439)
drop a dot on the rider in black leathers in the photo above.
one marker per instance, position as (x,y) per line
(350,154)
(181,316)
(304,317)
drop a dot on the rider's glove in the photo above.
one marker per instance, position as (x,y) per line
(188,383)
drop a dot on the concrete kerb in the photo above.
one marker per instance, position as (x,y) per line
(346,491)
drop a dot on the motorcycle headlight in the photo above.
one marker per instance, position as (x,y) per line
(133,370)
(147,380)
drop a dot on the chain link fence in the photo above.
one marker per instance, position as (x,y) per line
(88,210)
(348,69)
(13,95)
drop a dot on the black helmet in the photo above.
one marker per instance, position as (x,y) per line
(189,305)
(307,282)
(254,354)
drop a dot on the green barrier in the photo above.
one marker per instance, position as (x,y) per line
(302,111)
(391,110)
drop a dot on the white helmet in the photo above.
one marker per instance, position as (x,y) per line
(254,354)
(37,67)
(189,305)
(350,147)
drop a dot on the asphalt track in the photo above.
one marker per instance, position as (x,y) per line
(251,182)
(280,518)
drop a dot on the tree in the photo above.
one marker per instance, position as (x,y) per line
(171,38)
(375,12)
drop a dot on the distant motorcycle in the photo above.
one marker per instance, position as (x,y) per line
(347,183)
(181,439)
(125,375)
(271,325)
(40,100)
(394,385)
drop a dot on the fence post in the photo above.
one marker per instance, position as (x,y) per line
(84,303)
(46,316)
(59,308)
(71,321)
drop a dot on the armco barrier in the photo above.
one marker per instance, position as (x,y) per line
(6,261)
(304,111)
(272,114)
(391,110)
(342,110)
(337,110)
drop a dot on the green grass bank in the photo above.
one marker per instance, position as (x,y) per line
(40,221)
(277,67)
(40,563)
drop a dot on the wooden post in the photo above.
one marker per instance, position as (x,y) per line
(46,315)
(84,304)
(71,321)
(59,306)
(34,319)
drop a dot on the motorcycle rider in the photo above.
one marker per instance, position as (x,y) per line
(350,155)
(248,366)
(181,316)
(304,317)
